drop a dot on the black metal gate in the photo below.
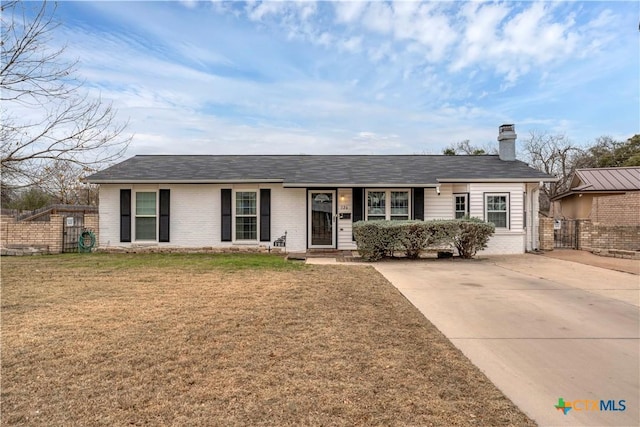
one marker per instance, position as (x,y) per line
(565,234)
(72,227)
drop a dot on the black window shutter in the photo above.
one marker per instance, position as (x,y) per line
(125,215)
(265,215)
(418,203)
(165,202)
(226,214)
(358,208)
(358,205)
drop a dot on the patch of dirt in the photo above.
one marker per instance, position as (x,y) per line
(322,345)
(630,266)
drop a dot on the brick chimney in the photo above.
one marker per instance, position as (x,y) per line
(507,140)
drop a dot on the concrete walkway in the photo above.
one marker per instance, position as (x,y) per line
(540,328)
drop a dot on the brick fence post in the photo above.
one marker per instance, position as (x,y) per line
(584,234)
(546,233)
(5,221)
(54,236)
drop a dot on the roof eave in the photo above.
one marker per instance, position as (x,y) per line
(182,181)
(505,180)
(571,193)
(357,184)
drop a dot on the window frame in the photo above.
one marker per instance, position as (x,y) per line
(235,216)
(507,210)
(387,207)
(136,216)
(455,204)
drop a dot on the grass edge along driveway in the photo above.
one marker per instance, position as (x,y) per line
(113,339)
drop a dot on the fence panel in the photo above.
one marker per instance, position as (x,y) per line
(72,229)
(565,234)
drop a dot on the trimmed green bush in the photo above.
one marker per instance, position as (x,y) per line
(379,239)
(473,234)
(376,239)
(415,237)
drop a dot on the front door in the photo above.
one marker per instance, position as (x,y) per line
(321,219)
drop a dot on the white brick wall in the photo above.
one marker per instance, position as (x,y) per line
(109,212)
(196,215)
(502,243)
(289,213)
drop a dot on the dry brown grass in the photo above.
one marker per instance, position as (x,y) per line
(99,341)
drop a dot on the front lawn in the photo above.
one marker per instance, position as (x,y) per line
(226,340)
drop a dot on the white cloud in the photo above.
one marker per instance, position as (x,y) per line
(481,25)
(378,17)
(189,4)
(373,136)
(380,52)
(353,44)
(349,11)
(257,11)
(513,43)
(306,9)
(325,39)
(287,78)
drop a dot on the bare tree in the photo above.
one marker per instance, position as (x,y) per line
(48,120)
(64,183)
(466,148)
(555,155)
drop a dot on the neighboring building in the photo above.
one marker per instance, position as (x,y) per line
(603,195)
(242,200)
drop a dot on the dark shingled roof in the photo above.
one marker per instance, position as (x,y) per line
(336,170)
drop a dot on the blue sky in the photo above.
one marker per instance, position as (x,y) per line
(356,77)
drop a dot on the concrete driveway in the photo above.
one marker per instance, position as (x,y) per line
(541,329)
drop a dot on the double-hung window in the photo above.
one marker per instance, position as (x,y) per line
(461,205)
(246,215)
(376,205)
(496,208)
(399,205)
(387,204)
(146,216)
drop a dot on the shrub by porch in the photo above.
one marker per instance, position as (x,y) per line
(379,239)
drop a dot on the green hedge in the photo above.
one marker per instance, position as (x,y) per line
(473,235)
(379,239)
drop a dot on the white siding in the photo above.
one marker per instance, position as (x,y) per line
(504,241)
(196,215)
(533,206)
(439,206)
(345,226)
(460,188)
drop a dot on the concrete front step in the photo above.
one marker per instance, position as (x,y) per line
(321,253)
